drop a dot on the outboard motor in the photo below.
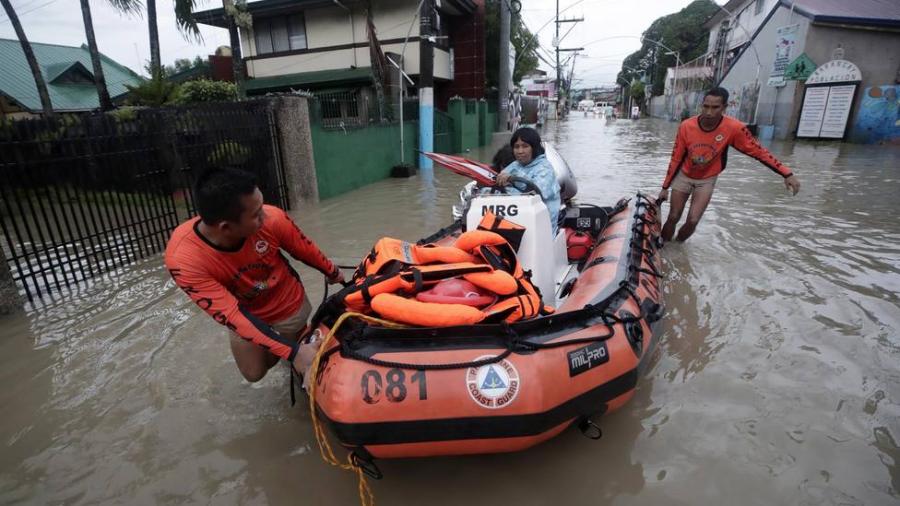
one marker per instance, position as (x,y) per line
(568,186)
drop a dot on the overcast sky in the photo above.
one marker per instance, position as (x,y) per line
(619,22)
(610,31)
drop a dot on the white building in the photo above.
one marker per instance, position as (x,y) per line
(317,43)
(750,48)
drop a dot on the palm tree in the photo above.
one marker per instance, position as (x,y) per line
(124,6)
(155,68)
(183,17)
(29,56)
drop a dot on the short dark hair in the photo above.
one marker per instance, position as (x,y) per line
(502,158)
(218,192)
(718,91)
(530,137)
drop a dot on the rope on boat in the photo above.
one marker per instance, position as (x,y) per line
(366,497)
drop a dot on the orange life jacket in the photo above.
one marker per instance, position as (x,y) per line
(410,279)
(483,257)
(389,251)
(512,232)
(425,314)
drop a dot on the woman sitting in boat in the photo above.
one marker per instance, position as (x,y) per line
(531,164)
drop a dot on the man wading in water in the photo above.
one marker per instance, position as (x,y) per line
(230,263)
(700,154)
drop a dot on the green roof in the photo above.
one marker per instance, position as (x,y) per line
(317,79)
(56,62)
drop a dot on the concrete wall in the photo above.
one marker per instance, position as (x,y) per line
(348,159)
(773,106)
(657,107)
(329,60)
(465,124)
(10,300)
(292,121)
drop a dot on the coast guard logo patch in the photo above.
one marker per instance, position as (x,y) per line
(262,247)
(493,386)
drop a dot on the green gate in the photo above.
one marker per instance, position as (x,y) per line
(443,133)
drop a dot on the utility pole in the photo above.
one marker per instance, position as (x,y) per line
(237,61)
(560,110)
(505,72)
(426,85)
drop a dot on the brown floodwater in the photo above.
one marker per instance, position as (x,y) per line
(777,378)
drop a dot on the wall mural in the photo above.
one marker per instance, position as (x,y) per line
(878,118)
(742,101)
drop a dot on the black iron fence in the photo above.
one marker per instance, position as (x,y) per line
(81,195)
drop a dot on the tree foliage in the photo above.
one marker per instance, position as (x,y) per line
(682,31)
(182,64)
(203,90)
(520,39)
(155,92)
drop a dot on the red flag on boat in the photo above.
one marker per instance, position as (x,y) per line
(480,172)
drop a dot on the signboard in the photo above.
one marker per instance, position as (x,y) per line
(813,111)
(785,40)
(829,95)
(835,71)
(800,69)
(837,111)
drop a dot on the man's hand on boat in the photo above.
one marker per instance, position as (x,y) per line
(502,179)
(663,196)
(336,276)
(304,360)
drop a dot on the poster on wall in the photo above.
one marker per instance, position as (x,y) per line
(785,40)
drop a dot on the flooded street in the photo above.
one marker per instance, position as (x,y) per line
(777,378)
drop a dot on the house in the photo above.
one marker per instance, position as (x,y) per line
(538,84)
(810,68)
(67,70)
(323,45)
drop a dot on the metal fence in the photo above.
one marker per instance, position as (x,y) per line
(81,195)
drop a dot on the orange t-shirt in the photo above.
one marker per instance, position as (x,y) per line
(700,154)
(252,286)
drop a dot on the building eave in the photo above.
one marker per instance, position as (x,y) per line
(216,17)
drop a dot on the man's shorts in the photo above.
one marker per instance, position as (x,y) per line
(689,185)
(292,325)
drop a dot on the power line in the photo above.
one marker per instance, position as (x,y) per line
(30,10)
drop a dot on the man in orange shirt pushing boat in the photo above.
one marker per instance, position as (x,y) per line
(700,155)
(230,262)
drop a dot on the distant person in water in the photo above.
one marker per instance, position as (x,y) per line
(699,156)
(531,164)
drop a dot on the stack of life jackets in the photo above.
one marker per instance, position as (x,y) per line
(477,280)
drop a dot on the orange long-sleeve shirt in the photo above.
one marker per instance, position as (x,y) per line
(700,154)
(252,286)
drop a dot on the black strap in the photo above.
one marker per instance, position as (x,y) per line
(417,279)
(598,261)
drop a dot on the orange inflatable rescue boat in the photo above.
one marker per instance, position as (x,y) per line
(490,335)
